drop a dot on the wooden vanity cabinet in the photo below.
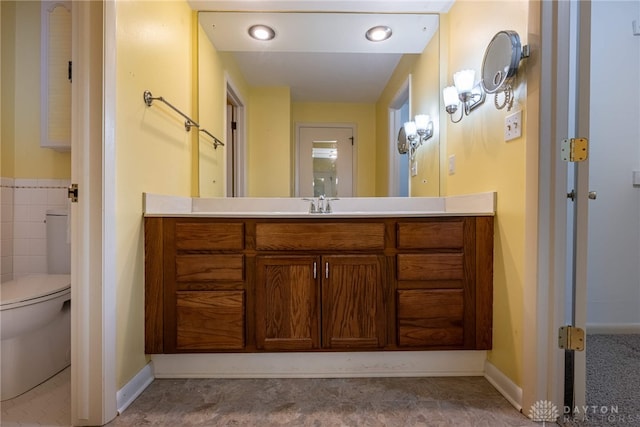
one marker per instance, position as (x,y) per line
(318,284)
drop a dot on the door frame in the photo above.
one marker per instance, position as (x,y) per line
(237,164)
(93,273)
(354,154)
(549,103)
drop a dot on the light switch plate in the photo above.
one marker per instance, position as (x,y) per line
(513,126)
(414,168)
(452,164)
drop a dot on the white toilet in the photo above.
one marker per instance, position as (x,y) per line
(35,317)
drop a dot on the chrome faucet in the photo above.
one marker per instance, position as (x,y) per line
(320,205)
(312,205)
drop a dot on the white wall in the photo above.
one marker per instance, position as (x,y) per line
(614,218)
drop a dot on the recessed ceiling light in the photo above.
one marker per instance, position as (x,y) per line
(378,33)
(261,32)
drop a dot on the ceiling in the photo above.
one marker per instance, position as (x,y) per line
(322,57)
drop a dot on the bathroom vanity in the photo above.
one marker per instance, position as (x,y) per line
(256,275)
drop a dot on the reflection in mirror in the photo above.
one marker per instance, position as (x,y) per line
(325,180)
(319,69)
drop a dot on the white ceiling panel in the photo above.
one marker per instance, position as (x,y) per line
(323,57)
(319,32)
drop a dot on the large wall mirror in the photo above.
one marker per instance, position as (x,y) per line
(319,70)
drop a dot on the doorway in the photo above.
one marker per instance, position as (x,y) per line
(602,294)
(325,160)
(613,277)
(235,148)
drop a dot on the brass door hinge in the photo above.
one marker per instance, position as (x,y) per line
(571,338)
(72,193)
(574,149)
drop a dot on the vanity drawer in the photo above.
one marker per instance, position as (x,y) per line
(430,267)
(320,236)
(430,318)
(210,320)
(208,268)
(431,235)
(209,236)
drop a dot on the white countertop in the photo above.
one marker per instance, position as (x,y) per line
(156,205)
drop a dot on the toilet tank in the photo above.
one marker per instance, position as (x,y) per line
(58,242)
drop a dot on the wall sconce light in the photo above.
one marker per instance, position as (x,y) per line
(465,91)
(413,134)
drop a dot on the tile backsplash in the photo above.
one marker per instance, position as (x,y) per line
(23,212)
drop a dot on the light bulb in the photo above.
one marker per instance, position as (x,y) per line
(379,33)
(450,96)
(262,32)
(422,122)
(464,80)
(410,129)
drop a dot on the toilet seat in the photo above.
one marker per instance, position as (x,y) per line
(33,289)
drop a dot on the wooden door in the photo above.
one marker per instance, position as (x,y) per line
(352,302)
(287,299)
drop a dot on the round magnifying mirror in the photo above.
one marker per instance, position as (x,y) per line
(403,141)
(501,60)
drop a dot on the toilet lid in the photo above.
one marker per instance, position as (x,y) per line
(32,287)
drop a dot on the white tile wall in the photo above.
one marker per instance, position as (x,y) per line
(24,236)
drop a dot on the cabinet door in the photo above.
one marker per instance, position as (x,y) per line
(352,302)
(287,303)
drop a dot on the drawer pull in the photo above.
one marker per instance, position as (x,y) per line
(326,270)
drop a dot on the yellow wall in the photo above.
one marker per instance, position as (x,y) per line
(485,162)
(269,146)
(215,69)
(425,99)
(153,150)
(364,116)
(211,113)
(22,156)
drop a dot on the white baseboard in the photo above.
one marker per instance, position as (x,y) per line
(127,394)
(613,328)
(320,365)
(504,385)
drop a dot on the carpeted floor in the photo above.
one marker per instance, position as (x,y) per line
(613,381)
